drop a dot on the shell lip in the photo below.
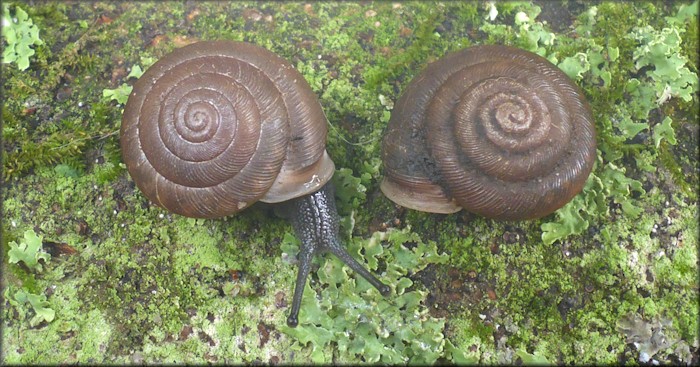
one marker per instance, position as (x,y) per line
(424,196)
(293,184)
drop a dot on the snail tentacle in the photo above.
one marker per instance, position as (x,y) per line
(306,255)
(337,249)
(315,220)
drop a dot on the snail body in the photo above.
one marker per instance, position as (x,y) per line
(496,130)
(214,127)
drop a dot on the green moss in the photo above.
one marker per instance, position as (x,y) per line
(574,296)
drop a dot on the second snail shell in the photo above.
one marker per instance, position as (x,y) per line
(215,126)
(495,130)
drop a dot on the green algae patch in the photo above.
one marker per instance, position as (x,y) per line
(78,332)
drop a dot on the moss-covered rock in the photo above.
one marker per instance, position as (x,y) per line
(611,277)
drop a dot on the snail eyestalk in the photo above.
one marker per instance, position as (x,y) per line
(315,221)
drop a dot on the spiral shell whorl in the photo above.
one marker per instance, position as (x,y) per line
(215,126)
(506,135)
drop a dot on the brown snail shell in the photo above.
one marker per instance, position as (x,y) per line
(213,127)
(495,130)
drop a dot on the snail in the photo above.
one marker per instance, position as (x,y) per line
(216,126)
(495,130)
